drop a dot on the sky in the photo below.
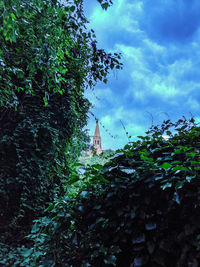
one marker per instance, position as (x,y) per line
(160,45)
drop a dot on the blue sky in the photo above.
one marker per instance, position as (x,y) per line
(160,45)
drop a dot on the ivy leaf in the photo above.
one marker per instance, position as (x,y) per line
(72,8)
(45,101)
(101,219)
(165,166)
(180,168)
(27,252)
(103,179)
(105,6)
(111,259)
(189,178)
(166,186)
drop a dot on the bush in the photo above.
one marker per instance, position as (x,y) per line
(141,209)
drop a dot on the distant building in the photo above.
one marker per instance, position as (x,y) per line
(97,140)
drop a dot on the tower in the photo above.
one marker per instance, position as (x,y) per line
(97,140)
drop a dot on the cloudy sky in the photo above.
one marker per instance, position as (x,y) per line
(160,45)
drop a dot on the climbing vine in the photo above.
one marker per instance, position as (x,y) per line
(48,57)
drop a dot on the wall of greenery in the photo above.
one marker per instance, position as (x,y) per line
(140,209)
(48,58)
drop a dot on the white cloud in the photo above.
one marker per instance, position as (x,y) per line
(154,47)
(194,104)
(100,96)
(122,14)
(164,90)
(158,76)
(113,126)
(165,81)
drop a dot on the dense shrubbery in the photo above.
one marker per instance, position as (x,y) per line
(48,58)
(141,209)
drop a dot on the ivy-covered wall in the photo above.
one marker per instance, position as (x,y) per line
(48,58)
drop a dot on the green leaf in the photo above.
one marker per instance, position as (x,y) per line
(38,253)
(191,154)
(97,207)
(72,8)
(97,166)
(105,6)
(13,15)
(165,166)
(180,168)
(103,179)
(189,178)
(78,164)
(112,66)
(111,259)
(27,252)
(146,158)
(193,162)
(105,80)
(101,219)
(35,228)
(50,207)
(45,101)
(166,186)
(158,178)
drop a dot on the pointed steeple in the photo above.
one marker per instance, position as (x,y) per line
(97,139)
(97,133)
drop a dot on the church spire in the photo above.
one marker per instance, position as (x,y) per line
(97,139)
(97,133)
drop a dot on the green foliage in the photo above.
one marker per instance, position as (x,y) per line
(46,47)
(95,158)
(76,146)
(144,213)
(48,58)
(105,3)
(86,171)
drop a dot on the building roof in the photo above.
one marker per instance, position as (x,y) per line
(97,133)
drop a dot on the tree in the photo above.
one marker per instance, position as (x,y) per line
(48,58)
